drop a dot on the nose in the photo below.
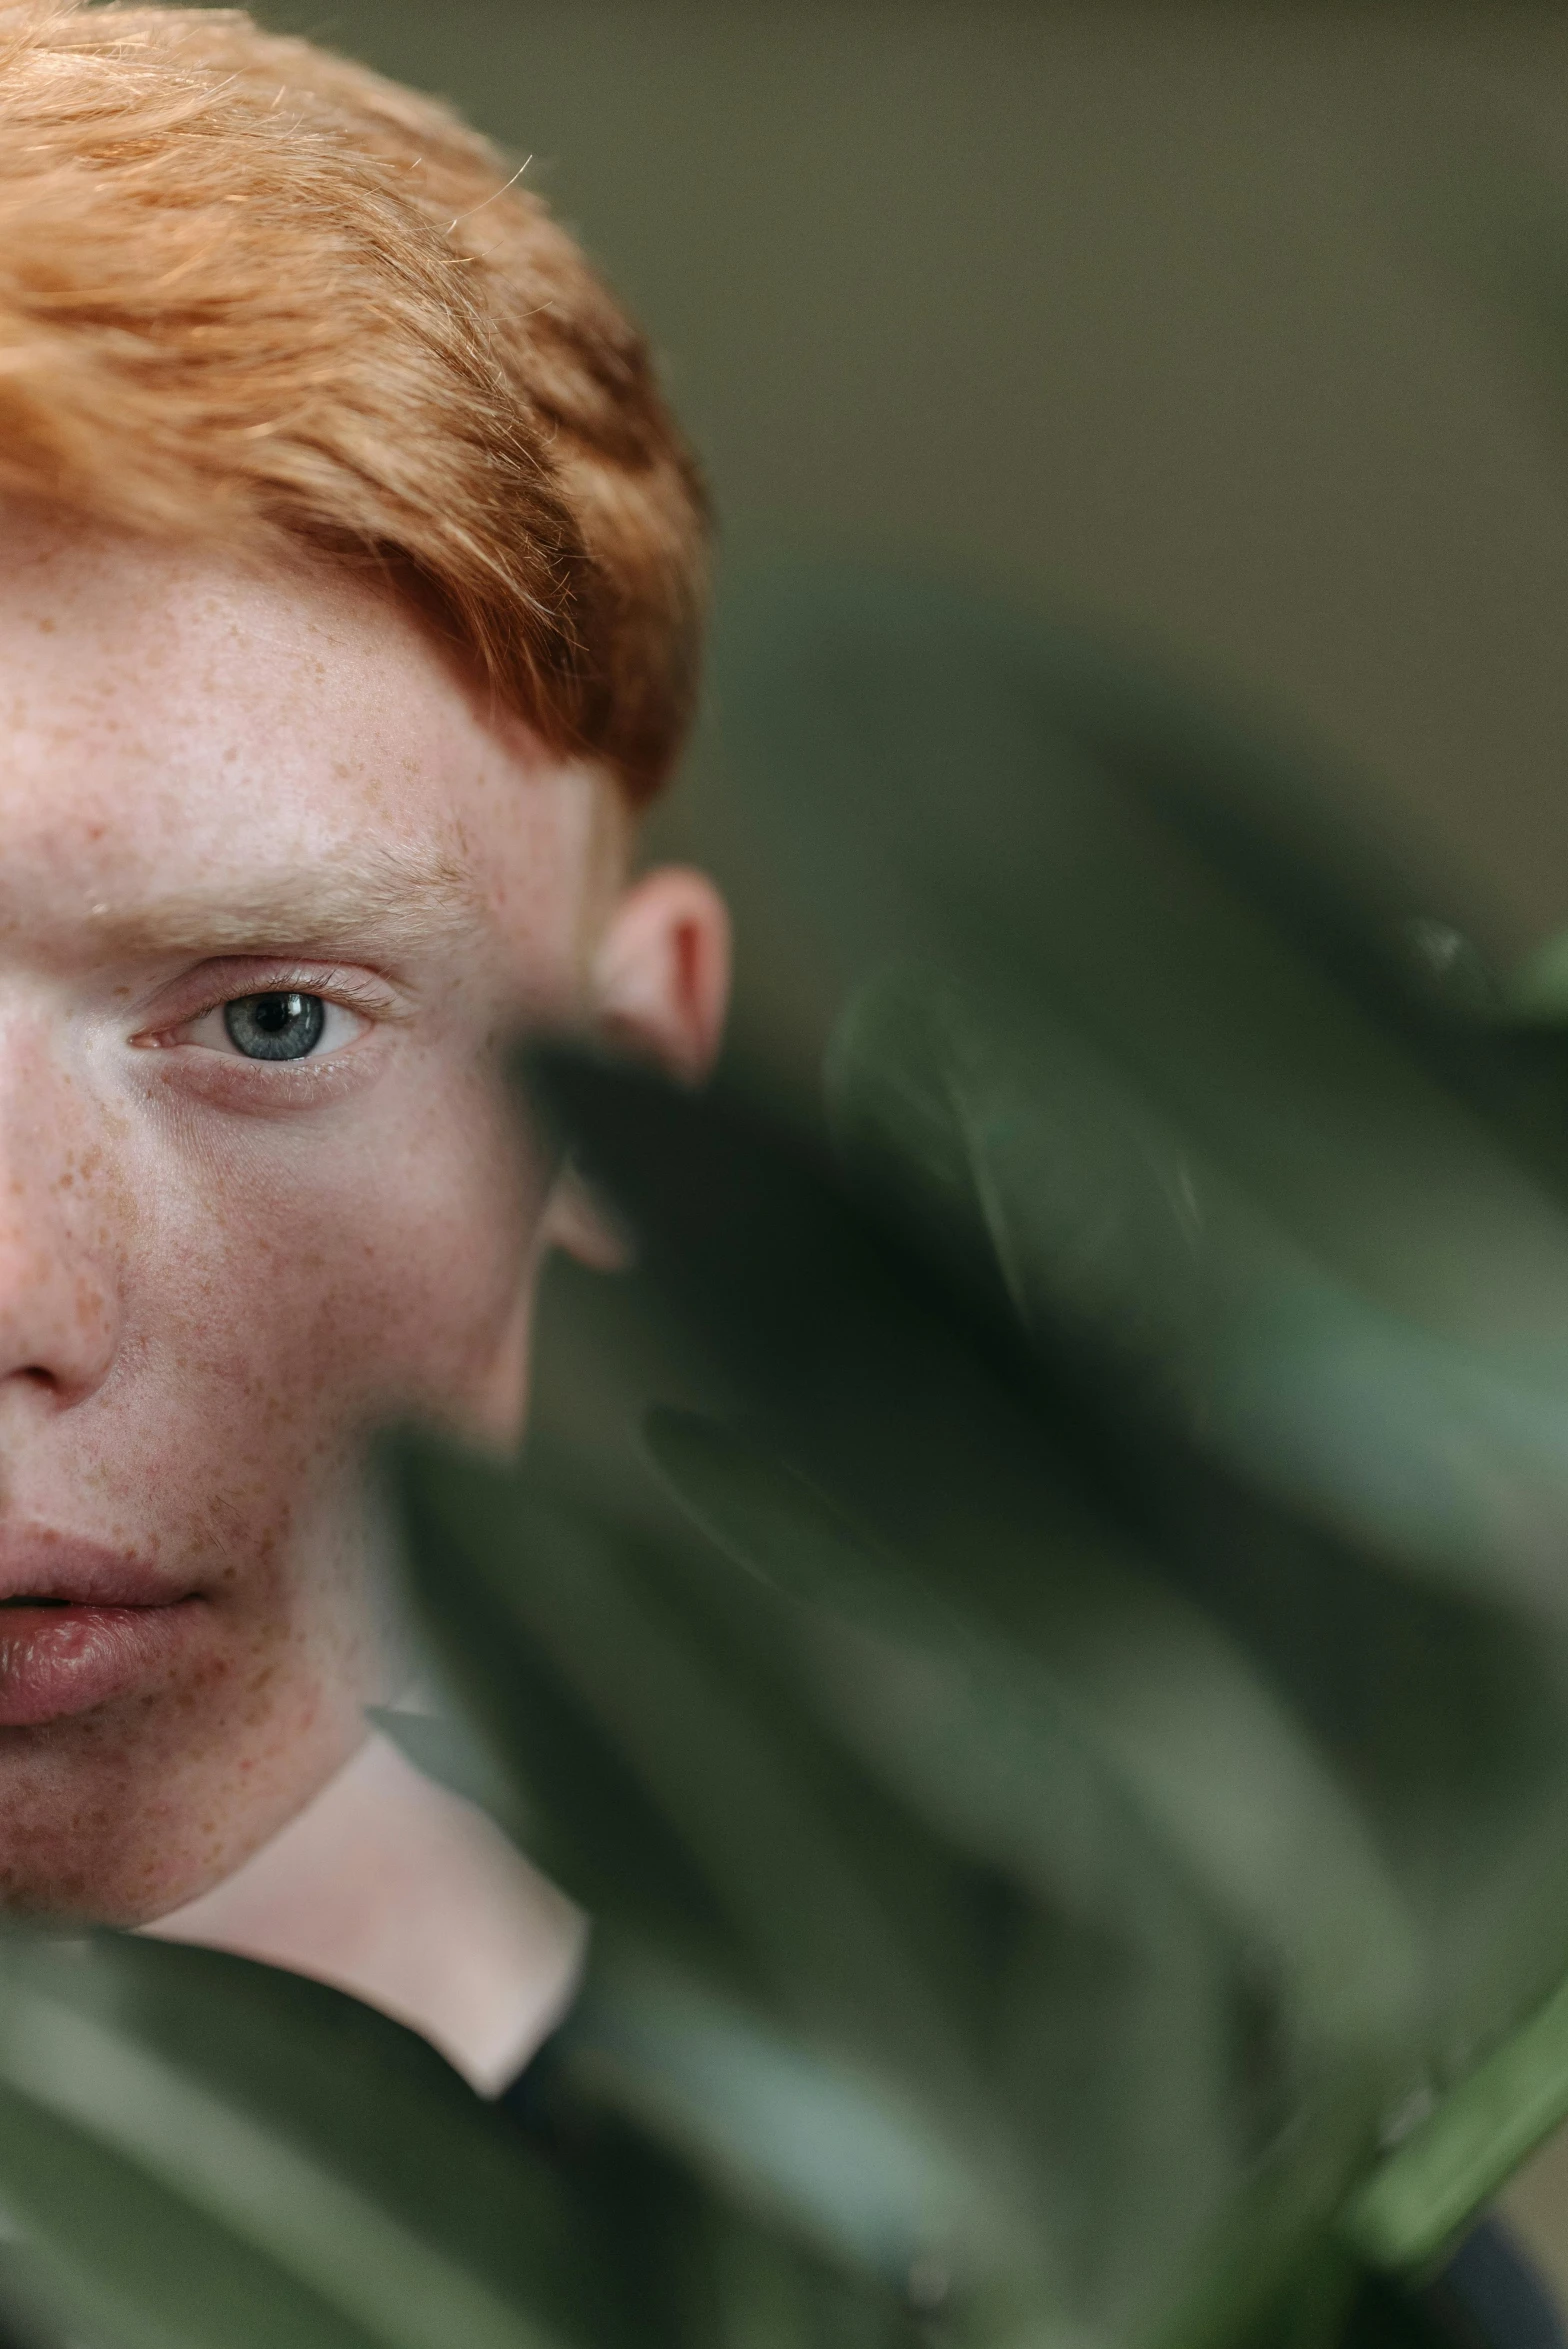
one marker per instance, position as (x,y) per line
(58,1309)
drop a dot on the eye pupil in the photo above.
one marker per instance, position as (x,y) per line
(275,1027)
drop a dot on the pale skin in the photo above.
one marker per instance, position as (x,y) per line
(229,783)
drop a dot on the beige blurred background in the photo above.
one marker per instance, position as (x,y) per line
(1146,314)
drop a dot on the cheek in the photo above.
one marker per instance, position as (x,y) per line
(338,1272)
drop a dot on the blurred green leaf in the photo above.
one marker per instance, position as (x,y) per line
(1105,1677)
(1107,1218)
(274,2162)
(824,2145)
(1034,1599)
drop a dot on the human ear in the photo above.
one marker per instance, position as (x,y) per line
(661,975)
(660,986)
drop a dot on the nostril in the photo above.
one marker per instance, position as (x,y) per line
(57,1329)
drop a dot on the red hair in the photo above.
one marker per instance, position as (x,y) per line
(247,288)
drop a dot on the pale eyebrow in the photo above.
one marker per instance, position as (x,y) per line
(384,906)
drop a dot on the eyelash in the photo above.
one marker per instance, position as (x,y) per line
(335,990)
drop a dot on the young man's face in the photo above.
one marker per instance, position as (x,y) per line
(270,885)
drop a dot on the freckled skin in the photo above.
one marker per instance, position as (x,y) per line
(216,1276)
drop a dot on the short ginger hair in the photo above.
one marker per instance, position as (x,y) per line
(249,289)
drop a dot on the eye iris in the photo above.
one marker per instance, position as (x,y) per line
(275,1027)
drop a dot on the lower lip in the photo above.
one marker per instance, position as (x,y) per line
(60,1660)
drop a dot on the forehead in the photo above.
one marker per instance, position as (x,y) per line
(180,721)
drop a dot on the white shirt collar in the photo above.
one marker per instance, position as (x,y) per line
(390,1887)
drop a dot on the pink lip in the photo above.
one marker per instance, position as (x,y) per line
(103,1623)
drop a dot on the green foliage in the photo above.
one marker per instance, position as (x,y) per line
(207,2150)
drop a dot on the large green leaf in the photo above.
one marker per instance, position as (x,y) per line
(792,1856)
(1170,1293)
(995,1460)
(1116,1754)
(1113,1683)
(232,2154)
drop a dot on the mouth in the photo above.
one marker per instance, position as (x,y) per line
(79,1626)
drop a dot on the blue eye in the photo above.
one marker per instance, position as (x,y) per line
(275,1027)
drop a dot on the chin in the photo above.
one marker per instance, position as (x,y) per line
(123,1812)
